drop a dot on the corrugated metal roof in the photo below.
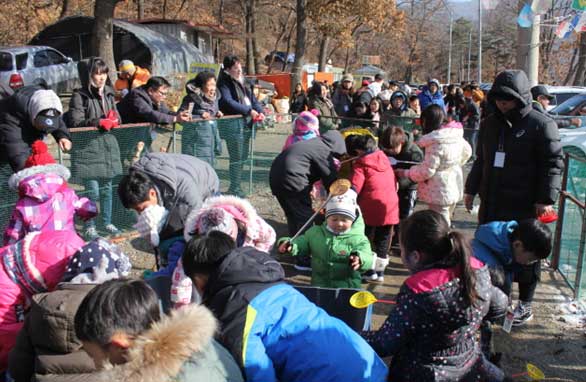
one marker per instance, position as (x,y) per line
(369,69)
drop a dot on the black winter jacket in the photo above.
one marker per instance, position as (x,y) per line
(561,122)
(432,332)
(533,162)
(304,163)
(17,132)
(138,107)
(233,94)
(96,155)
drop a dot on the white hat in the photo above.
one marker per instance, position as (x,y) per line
(43,100)
(344,204)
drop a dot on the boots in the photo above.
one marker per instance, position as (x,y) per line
(379,267)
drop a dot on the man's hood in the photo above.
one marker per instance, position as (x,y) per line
(242,266)
(159,354)
(512,83)
(334,140)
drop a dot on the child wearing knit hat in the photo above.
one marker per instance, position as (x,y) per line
(339,248)
(46,203)
(306,126)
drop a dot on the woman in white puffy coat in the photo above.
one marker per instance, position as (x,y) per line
(439,176)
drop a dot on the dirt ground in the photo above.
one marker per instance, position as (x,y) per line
(557,348)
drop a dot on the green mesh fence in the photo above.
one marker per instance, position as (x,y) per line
(570,239)
(241,153)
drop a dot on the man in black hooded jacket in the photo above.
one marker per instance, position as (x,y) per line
(518,167)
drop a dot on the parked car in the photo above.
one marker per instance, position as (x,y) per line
(562,94)
(22,65)
(571,107)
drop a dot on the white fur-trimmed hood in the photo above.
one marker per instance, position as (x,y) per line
(56,168)
(159,354)
(243,205)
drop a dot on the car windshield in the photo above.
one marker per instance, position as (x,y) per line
(569,105)
(5,61)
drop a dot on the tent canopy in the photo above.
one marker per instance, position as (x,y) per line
(162,54)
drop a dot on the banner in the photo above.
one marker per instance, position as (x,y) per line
(579,5)
(525,19)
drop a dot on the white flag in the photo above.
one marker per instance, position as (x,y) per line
(489,4)
(540,7)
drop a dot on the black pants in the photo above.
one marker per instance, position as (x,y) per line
(407,201)
(528,277)
(381,236)
(297,208)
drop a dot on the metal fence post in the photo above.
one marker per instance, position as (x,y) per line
(251,149)
(580,262)
(555,261)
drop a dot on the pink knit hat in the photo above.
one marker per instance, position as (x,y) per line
(305,122)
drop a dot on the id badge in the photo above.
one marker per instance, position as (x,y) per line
(499,159)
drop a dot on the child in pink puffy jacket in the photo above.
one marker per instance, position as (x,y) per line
(232,215)
(32,265)
(46,203)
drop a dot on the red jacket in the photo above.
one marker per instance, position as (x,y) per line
(374,181)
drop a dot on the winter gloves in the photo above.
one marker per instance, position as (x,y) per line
(110,121)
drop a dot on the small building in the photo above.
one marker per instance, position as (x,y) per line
(204,36)
(162,54)
(367,72)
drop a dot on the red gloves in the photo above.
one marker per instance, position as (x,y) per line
(110,121)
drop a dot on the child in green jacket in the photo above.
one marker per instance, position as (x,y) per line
(339,249)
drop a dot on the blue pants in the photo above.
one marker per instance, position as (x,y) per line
(100,190)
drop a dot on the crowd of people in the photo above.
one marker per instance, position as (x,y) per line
(219,306)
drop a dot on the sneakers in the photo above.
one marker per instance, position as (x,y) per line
(303,263)
(91,233)
(522,314)
(112,230)
(369,276)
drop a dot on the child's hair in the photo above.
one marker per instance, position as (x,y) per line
(432,118)
(413,98)
(429,233)
(392,137)
(356,142)
(122,305)
(535,236)
(204,252)
(134,188)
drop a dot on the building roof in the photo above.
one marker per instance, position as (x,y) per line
(216,30)
(369,69)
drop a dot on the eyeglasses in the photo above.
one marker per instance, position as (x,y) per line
(162,93)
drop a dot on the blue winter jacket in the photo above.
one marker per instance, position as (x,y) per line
(426,98)
(275,333)
(492,246)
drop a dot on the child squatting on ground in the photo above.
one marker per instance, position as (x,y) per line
(339,249)
(432,335)
(46,203)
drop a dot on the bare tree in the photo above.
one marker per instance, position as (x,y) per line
(140,9)
(103,31)
(65,9)
(299,44)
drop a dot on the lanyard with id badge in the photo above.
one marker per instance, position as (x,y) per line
(499,156)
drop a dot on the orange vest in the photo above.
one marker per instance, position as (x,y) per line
(141,76)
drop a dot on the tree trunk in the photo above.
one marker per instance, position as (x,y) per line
(347,60)
(579,79)
(300,42)
(255,53)
(218,47)
(164,9)
(103,31)
(65,9)
(140,9)
(323,53)
(289,38)
(571,68)
(250,69)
